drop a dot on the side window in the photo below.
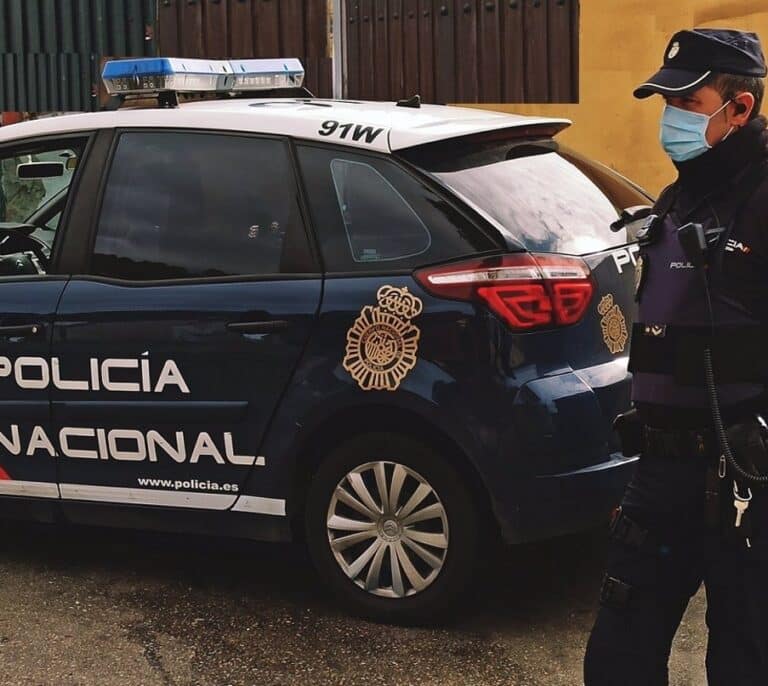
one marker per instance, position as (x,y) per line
(395,234)
(193,205)
(34,187)
(371,215)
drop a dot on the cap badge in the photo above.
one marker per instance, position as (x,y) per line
(613,324)
(382,344)
(674,50)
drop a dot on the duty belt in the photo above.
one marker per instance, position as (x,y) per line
(680,443)
(678,351)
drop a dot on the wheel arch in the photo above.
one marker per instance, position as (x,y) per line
(352,422)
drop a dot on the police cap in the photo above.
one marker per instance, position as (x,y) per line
(694,57)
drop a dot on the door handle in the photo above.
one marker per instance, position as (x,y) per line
(267,326)
(21,330)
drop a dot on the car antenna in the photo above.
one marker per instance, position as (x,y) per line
(414,101)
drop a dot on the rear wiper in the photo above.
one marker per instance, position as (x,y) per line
(631,214)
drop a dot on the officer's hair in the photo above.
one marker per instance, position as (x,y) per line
(730,85)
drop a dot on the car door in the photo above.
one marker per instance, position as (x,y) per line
(33,175)
(178,342)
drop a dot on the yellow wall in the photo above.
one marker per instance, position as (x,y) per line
(622,43)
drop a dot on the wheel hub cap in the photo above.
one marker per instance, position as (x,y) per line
(388,529)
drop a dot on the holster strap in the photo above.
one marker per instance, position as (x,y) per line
(627,531)
(615,593)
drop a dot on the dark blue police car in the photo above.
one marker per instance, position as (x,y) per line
(397,331)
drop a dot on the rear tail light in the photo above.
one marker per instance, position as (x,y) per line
(527,290)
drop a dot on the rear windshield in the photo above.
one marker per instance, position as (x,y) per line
(541,195)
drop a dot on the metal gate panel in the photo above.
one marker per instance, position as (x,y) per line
(426,51)
(368,66)
(444,58)
(467,83)
(267,37)
(51,51)
(222,29)
(489,54)
(396,46)
(462,50)
(536,38)
(513,55)
(411,47)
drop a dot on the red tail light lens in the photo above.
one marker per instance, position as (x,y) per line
(527,290)
(571,300)
(523,307)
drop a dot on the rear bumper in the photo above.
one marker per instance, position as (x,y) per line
(558,504)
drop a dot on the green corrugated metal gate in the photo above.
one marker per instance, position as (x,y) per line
(51,50)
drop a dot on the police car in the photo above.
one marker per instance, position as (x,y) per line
(396,331)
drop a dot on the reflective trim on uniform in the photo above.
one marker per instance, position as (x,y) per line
(681,88)
(141,496)
(29,489)
(256,505)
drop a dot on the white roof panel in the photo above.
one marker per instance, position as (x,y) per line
(380,126)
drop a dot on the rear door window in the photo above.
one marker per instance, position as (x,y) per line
(198,205)
(371,215)
(534,192)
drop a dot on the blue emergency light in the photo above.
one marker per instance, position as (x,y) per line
(149,75)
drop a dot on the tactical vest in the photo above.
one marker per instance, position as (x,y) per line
(674,326)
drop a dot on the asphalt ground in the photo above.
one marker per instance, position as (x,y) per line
(114,608)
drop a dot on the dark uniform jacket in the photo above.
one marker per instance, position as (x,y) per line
(725,187)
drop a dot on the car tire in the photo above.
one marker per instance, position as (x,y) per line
(387,575)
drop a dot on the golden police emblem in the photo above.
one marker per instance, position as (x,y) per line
(613,324)
(382,343)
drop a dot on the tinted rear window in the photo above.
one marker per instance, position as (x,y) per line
(531,191)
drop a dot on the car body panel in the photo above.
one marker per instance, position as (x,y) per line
(528,413)
(223,397)
(27,468)
(375,126)
(521,416)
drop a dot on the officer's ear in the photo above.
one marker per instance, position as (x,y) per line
(743,104)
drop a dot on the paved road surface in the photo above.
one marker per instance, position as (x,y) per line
(93,607)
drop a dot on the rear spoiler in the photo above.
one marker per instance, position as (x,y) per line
(543,128)
(428,154)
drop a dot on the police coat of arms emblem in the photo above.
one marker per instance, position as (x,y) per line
(613,324)
(382,343)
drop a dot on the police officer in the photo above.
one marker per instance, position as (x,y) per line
(702,288)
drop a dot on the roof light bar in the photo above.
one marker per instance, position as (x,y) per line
(267,74)
(155,75)
(149,75)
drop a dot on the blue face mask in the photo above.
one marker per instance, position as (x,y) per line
(684,134)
